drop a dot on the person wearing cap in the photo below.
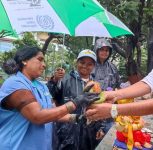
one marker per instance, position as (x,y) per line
(105,72)
(75,136)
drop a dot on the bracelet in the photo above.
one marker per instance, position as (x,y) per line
(69,107)
(72,118)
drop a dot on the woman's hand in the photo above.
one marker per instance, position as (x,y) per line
(110,96)
(98,111)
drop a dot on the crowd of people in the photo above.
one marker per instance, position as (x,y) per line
(26,110)
(60,115)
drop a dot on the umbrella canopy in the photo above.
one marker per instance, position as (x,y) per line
(59,16)
(102,24)
(76,18)
(4,21)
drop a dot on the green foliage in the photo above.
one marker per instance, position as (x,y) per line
(144,58)
(143,68)
(28,39)
(122,69)
(7,55)
(57,56)
(1,81)
(76,44)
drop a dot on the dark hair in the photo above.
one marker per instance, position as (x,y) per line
(11,66)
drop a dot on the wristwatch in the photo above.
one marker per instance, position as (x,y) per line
(114,111)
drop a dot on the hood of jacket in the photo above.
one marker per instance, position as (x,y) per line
(101,42)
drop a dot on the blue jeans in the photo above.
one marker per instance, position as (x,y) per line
(107,124)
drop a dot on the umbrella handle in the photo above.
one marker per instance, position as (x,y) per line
(93,40)
(62,58)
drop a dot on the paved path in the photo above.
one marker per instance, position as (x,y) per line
(108,140)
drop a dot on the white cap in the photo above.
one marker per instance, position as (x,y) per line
(87,53)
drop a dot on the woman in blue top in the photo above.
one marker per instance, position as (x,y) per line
(26,110)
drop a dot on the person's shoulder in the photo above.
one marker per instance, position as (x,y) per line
(14,83)
(109,62)
(13,79)
(112,64)
(151,72)
(69,77)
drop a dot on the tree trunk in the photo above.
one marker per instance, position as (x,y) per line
(139,54)
(150,50)
(48,40)
(133,42)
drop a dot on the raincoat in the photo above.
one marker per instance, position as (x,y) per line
(106,74)
(70,136)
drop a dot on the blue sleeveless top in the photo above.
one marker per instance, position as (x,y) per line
(16,132)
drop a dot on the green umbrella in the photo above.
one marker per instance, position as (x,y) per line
(59,16)
(5,25)
(73,17)
(103,24)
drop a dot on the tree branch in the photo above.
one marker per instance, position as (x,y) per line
(50,37)
(119,49)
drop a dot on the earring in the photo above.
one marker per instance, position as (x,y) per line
(24,63)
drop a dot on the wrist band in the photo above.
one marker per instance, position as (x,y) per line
(72,118)
(69,107)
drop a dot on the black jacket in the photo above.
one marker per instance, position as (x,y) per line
(70,136)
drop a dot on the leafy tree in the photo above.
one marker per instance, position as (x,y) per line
(137,15)
(27,39)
